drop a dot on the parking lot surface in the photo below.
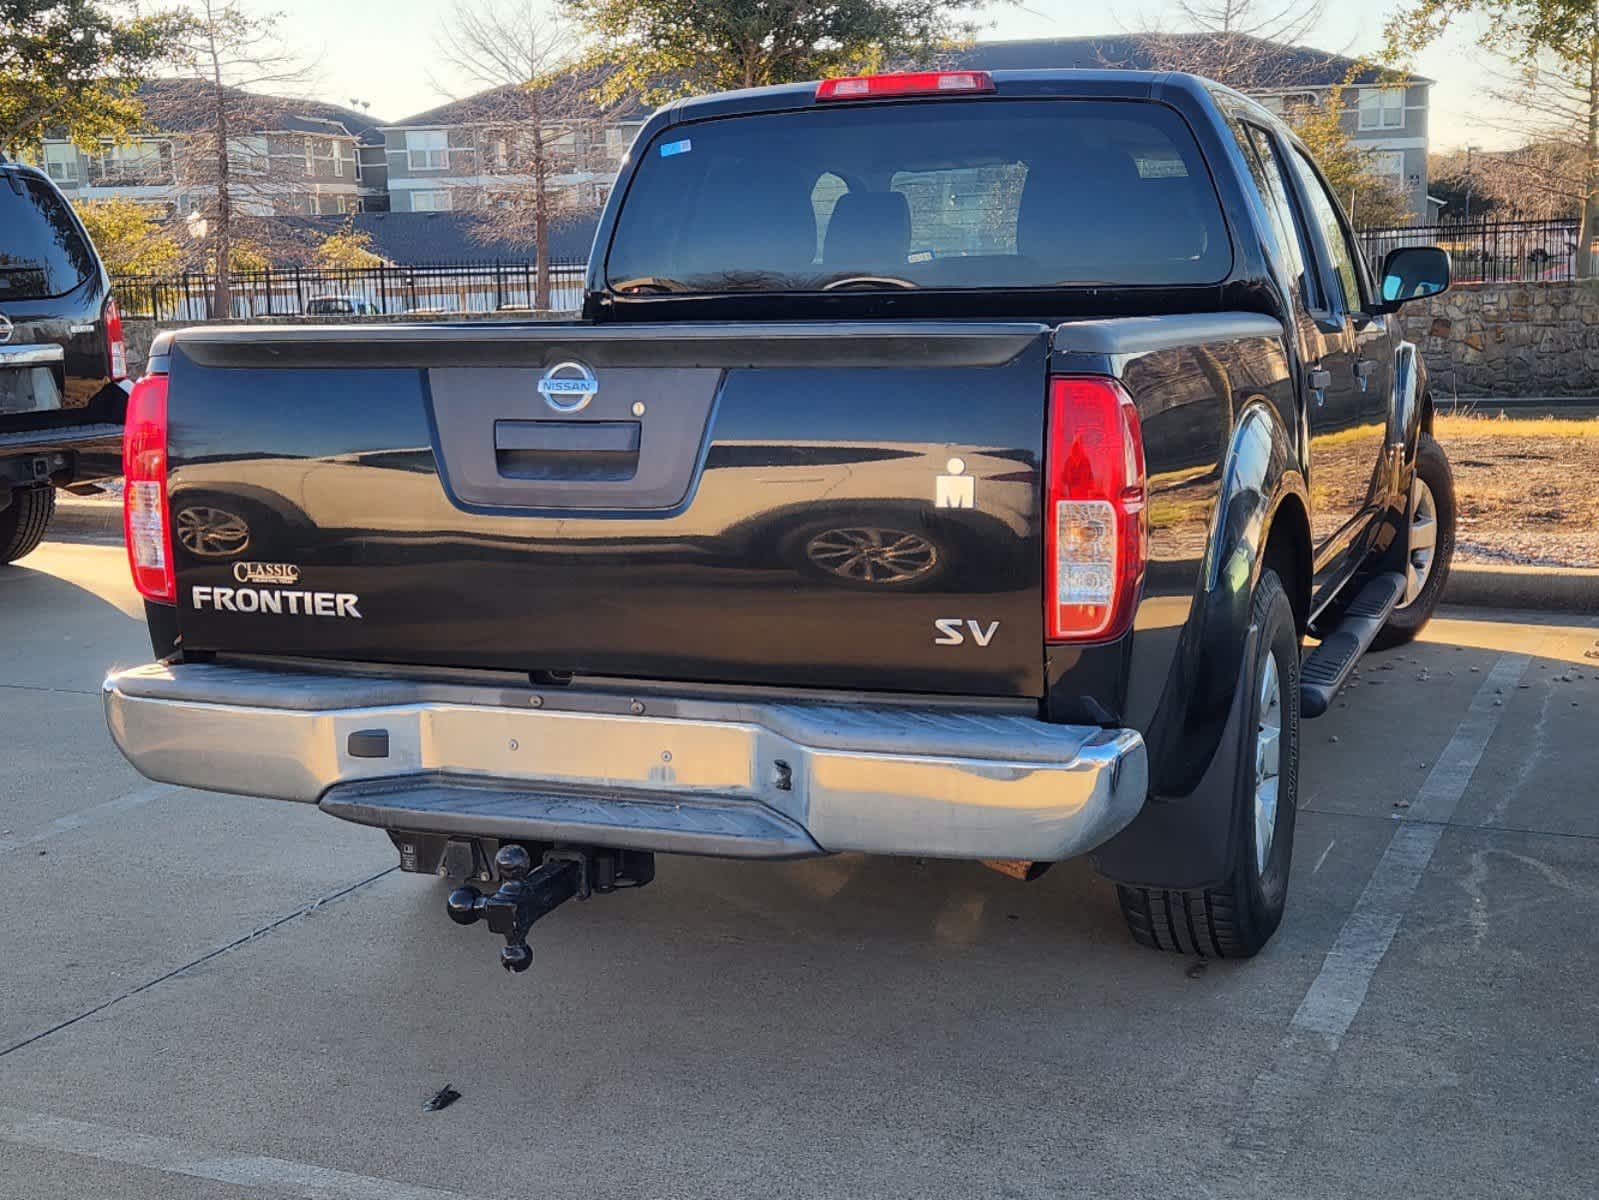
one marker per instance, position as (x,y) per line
(213,996)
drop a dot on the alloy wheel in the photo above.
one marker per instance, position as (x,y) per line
(1268,759)
(1423,540)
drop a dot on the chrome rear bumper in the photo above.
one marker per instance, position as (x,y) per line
(699,776)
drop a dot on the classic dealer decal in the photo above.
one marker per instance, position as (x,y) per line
(275,600)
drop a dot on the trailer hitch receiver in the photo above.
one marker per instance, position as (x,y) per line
(526,894)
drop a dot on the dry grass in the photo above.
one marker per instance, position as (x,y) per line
(1485,425)
(1524,487)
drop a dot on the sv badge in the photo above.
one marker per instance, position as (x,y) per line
(951,633)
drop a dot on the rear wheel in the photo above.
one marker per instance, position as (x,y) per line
(1430,547)
(1236,919)
(23,522)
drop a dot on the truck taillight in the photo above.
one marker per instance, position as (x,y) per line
(1094,520)
(117,348)
(144,491)
(905,83)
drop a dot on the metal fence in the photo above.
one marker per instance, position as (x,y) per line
(435,288)
(1488,251)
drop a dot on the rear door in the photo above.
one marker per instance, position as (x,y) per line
(1349,410)
(849,505)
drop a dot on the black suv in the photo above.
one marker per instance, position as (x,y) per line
(63,364)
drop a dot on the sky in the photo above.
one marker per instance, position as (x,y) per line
(382,53)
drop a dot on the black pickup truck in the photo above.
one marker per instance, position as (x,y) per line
(63,366)
(946,464)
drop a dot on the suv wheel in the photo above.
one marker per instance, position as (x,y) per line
(1236,919)
(23,522)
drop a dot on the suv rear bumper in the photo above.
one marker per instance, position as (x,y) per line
(765,779)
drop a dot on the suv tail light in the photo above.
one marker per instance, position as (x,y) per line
(1094,519)
(906,83)
(144,491)
(117,348)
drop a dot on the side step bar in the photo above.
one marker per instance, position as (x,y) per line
(1328,666)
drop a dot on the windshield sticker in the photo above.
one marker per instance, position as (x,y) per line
(670,148)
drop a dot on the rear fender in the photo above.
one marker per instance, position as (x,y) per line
(1182,838)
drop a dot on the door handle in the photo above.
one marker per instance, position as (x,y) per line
(1364,369)
(1318,379)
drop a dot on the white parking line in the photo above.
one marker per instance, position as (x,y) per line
(67,822)
(279,1175)
(1340,989)
(1287,1085)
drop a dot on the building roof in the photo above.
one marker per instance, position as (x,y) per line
(515,103)
(182,106)
(415,239)
(1286,66)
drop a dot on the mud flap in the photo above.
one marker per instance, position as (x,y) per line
(1186,843)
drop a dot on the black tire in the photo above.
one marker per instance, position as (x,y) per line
(23,522)
(1237,919)
(1432,469)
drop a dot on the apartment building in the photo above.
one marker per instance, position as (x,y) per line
(288,158)
(471,153)
(1388,123)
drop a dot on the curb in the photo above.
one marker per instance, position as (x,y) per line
(1552,589)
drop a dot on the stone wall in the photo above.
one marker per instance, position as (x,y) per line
(1509,339)
(1490,339)
(139,332)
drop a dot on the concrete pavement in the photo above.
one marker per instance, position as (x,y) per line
(214,996)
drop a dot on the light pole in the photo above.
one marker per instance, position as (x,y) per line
(1469,181)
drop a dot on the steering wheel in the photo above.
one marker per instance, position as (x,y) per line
(851,281)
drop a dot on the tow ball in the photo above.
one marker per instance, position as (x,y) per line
(526,894)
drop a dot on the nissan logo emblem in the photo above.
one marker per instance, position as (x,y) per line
(567,387)
(6,329)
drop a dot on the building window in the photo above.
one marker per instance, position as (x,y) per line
(61,162)
(1389,165)
(1382,108)
(1288,103)
(430,201)
(248,155)
(560,142)
(345,163)
(326,153)
(427,149)
(140,163)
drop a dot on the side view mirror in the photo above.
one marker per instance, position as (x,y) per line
(1413,272)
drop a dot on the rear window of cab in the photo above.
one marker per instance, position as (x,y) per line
(970,193)
(42,253)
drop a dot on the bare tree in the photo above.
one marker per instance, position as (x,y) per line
(1552,102)
(1287,23)
(1237,42)
(532,125)
(1254,46)
(227,166)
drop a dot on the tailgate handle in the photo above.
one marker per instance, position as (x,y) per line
(590,450)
